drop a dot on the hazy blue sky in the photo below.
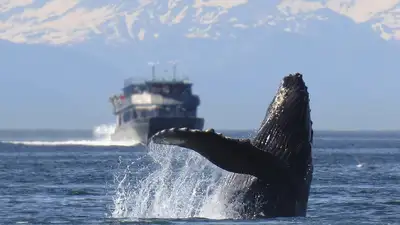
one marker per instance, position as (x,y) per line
(65,80)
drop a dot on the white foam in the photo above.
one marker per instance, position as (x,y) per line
(101,137)
(179,184)
(73,142)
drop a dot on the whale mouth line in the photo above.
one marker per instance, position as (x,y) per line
(286,130)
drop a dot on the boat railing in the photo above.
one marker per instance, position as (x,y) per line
(165,110)
(134,80)
(141,80)
(119,105)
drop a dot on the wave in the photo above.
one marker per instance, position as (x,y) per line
(101,136)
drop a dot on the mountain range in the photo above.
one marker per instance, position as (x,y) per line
(61,60)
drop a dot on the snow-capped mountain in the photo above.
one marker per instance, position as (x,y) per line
(76,21)
(64,59)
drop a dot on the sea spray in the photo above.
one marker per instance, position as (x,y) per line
(103,131)
(169,182)
(101,136)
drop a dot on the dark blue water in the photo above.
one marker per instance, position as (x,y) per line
(55,177)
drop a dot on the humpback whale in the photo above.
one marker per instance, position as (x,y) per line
(271,173)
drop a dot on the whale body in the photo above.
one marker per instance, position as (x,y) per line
(271,173)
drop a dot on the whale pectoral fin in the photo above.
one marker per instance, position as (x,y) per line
(233,155)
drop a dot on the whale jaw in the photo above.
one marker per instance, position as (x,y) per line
(286,130)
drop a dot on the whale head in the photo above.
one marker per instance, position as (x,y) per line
(286,130)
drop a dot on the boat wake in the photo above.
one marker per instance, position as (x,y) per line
(169,183)
(101,136)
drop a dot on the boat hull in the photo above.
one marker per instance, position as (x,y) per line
(142,129)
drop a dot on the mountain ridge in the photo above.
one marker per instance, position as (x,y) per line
(27,21)
(349,68)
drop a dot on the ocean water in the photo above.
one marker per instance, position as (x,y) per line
(81,177)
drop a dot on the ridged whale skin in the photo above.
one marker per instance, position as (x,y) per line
(271,173)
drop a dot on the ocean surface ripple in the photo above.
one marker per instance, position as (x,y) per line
(75,177)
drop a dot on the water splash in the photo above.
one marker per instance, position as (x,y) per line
(103,132)
(170,182)
(101,137)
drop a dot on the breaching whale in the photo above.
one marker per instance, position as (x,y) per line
(272,172)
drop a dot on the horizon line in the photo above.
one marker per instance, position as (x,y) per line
(222,129)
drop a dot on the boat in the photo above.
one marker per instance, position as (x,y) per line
(146,107)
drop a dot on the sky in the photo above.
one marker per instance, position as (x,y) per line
(59,63)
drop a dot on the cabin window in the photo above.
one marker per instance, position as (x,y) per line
(161,111)
(139,114)
(191,113)
(127,116)
(134,114)
(145,113)
(173,111)
(154,112)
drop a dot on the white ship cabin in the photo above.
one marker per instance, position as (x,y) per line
(155,99)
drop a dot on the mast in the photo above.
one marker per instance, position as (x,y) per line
(174,70)
(153,69)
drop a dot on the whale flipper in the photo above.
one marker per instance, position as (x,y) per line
(233,155)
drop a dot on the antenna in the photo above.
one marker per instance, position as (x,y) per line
(174,62)
(153,69)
